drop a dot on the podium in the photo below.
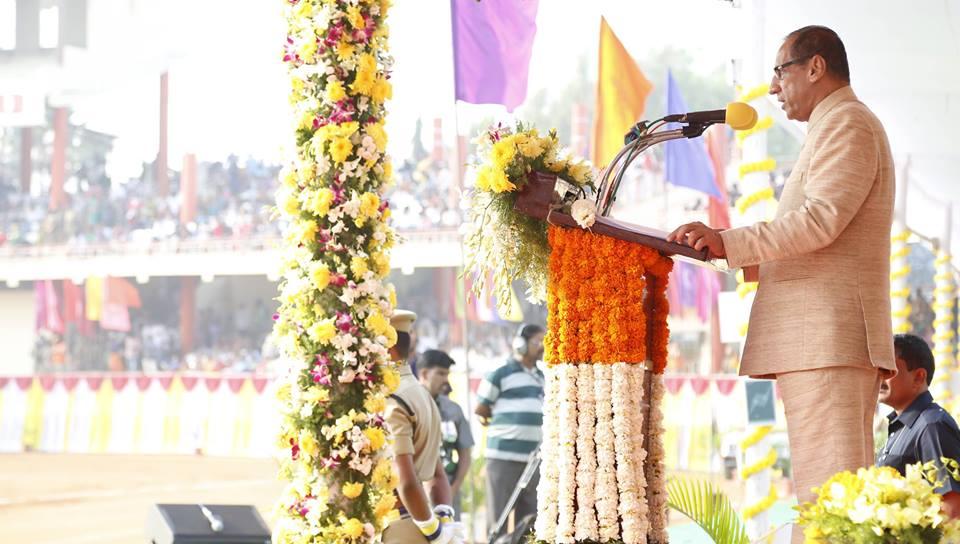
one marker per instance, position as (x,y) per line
(602,474)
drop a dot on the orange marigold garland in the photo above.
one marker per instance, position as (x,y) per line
(596,300)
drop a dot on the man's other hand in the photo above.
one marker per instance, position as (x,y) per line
(699,236)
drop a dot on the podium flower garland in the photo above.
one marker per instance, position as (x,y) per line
(602,480)
(512,245)
(333,323)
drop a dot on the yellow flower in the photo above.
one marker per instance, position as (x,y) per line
(358,265)
(369,205)
(387,165)
(335,91)
(320,276)
(391,337)
(352,528)
(306,119)
(308,232)
(303,10)
(391,379)
(367,63)
(500,183)
(393,296)
(344,51)
(382,264)
(355,17)
(376,322)
(340,149)
(307,171)
(283,392)
(287,201)
(289,177)
(383,473)
(530,146)
(320,202)
(484,178)
(352,490)
(308,444)
(375,404)
(382,90)
(322,331)
(363,82)
(504,152)
(376,437)
(307,50)
(316,395)
(379,135)
(384,506)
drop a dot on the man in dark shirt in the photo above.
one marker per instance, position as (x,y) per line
(920,430)
(457,440)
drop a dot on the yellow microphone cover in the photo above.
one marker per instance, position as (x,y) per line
(740,116)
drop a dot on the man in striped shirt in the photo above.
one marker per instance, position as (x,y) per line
(511,406)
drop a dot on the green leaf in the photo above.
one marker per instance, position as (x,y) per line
(709,508)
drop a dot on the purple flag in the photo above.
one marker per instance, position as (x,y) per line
(687,161)
(492,43)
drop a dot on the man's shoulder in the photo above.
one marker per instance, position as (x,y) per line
(936,415)
(448,408)
(505,370)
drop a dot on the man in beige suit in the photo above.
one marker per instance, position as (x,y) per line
(820,323)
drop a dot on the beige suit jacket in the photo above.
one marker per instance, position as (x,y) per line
(824,293)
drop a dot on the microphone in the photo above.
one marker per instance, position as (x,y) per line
(738,115)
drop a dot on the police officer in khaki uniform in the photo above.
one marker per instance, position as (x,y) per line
(414,420)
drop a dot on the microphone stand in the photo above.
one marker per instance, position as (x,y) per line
(641,137)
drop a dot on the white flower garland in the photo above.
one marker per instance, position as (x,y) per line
(567,458)
(546,524)
(606,494)
(586,521)
(631,495)
(597,481)
(655,470)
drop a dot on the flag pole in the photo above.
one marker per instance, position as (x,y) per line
(458,161)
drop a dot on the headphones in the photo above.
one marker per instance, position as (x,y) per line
(521,342)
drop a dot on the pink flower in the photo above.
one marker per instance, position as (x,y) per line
(295,449)
(344,323)
(330,462)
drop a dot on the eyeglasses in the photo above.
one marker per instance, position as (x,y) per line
(778,70)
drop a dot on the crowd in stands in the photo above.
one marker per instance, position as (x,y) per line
(234,201)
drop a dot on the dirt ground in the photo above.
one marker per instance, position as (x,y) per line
(104,499)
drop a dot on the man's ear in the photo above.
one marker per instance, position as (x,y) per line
(817,69)
(920,377)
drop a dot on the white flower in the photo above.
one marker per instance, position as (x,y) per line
(306,410)
(343,341)
(362,466)
(352,206)
(584,212)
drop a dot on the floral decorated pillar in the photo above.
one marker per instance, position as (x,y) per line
(333,325)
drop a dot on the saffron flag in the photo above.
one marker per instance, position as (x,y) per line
(622,92)
(492,44)
(686,158)
(718,211)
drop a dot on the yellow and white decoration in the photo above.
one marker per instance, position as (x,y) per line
(124,413)
(333,326)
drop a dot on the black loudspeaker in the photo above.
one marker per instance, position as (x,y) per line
(206,524)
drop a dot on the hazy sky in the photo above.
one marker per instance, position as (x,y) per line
(228,86)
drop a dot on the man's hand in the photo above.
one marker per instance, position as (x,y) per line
(444,512)
(699,236)
(483,412)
